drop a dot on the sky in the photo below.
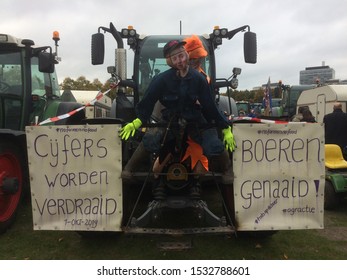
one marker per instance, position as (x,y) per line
(291,34)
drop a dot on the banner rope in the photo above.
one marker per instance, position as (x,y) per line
(258,120)
(71,113)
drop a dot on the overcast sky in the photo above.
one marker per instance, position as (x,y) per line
(291,34)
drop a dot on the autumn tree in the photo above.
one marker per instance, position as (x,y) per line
(81,83)
(258,95)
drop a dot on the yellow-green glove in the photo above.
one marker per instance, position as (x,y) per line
(228,139)
(129,129)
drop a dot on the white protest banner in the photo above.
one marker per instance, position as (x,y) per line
(75,177)
(279,176)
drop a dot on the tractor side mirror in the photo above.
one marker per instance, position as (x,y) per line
(98,48)
(250,47)
(46,62)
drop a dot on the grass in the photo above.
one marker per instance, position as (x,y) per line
(22,242)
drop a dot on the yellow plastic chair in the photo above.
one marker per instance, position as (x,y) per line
(334,158)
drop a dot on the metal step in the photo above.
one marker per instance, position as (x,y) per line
(180,232)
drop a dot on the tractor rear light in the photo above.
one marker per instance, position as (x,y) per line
(224,31)
(216,32)
(132,32)
(125,32)
(218,40)
(128,32)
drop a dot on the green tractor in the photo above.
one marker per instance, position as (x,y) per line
(149,62)
(335,177)
(29,93)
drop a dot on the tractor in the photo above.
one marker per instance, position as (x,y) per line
(29,93)
(149,62)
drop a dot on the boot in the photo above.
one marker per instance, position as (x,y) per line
(134,162)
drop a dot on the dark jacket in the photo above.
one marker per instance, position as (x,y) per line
(336,128)
(189,97)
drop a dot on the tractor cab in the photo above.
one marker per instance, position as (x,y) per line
(26,75)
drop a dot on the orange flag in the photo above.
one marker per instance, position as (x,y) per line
(194,151)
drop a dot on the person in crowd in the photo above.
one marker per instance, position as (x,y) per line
(307,116)
(335,125)
(298,117)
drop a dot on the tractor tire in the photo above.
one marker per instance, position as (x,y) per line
(331,198)
(11,170)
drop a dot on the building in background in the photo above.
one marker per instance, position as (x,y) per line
(318,74)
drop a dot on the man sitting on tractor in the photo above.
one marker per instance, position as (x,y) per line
(187,98)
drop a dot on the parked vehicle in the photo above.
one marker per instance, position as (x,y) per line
(289,98)
(243,108)
(335,178)
(149,61)
(29,93)
(276,180)
(320,100)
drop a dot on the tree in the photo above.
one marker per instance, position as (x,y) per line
(258,95)
(68,83)
(97,84)
(81,83)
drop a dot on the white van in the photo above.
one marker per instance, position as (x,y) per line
(320,100)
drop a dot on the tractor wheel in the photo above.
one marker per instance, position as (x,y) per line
(331,198)
(11,183)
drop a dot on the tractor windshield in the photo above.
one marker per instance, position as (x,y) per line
(151,61)
(11,77)
(14,89)
(43,83)
(11,89)
(10,73)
